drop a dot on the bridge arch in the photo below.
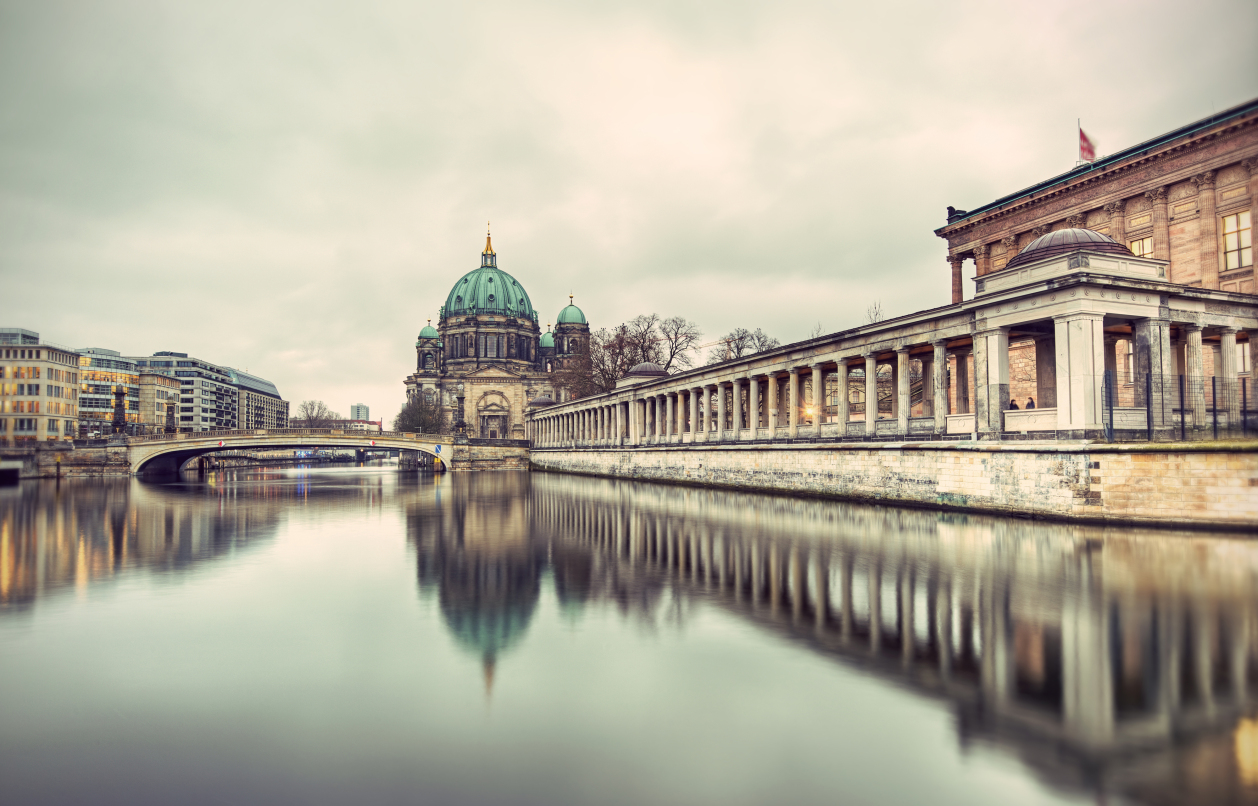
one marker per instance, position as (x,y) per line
(168,453)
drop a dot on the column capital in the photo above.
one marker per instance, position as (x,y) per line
(902,349)
(1250,165)
(1076,221)
(955,260)
(1203,180)
(1156,195)
(1190,327)
(1224,329)
(1115,208)
(1010,242)
(1042,229)
(939,343)
(793,371)
(980,251)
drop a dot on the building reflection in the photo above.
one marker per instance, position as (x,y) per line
(57,537)
(1110,660)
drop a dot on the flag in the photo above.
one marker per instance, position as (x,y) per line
(1087,151)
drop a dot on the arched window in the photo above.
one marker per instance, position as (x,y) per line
(427,360)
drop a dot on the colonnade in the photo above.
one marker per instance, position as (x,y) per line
(962,387)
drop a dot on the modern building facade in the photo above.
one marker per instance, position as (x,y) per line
(101,373)
(39,389)
(488,349)
(208,399)
(258,403)
(359,411)
(157,392)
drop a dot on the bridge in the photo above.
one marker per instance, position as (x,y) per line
(159,453)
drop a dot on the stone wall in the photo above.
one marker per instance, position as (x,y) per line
(1184,485)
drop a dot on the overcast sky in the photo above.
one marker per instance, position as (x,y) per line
(292,188)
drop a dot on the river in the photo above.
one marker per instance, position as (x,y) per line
(360,635)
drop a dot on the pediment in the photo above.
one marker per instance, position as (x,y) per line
(493,372)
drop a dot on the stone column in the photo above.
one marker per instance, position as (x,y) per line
(619,432)
(903,389)
(635,429)
(1161,225)
(753,405)
(956,262)
(771,403)
(1196,375)
(737,402)
(1010,242)
(670,428)
(720,411)
(694,415)
(992,378)
(705,413)
(1079,341)
(1207,229)
(1045,373)
(1117,224)
(818,398)
(1155,356)
(939,384)
(793,402)
(928,385)
(982,418)
(981,263)
(871,394)
(962,380)
(1229,390)
(841,381)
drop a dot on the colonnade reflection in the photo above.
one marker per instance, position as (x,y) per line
(1093,653)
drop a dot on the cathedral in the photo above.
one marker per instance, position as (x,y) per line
(489,349)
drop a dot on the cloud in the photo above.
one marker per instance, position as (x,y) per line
(294,187)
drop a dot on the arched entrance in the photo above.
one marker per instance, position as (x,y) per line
(493,416)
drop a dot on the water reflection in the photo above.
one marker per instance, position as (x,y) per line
(1108,660)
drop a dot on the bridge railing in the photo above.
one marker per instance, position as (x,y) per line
(283,432)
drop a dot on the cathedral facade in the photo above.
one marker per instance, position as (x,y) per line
(488,348)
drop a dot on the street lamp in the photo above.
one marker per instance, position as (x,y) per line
(460,426)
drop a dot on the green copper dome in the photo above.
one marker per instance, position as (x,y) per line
(429,332)
(571,315)
(548,339)
(491,290)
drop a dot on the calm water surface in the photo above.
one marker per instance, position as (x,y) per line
(365,636)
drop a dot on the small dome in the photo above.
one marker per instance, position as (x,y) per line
(646,369)
(429,332)
(1067,240)
(548,340)
(571,315)
(541,401)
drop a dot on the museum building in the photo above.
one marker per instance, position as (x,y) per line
(488,350)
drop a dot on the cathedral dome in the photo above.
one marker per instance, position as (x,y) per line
(489,290)
(1064,241)
(548,339)
(571,315)
(429,332)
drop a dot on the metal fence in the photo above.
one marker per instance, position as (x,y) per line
(1156,407)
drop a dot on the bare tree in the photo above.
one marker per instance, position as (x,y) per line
(816,332)
(576,376)
(741,342)
(421,415)
(611,356)
(313,414)
(677,340)
(643,336)
(874,314)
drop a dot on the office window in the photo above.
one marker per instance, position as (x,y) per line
(1141,247)
(1238,247)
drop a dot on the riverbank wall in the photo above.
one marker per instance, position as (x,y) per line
(1209,485)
